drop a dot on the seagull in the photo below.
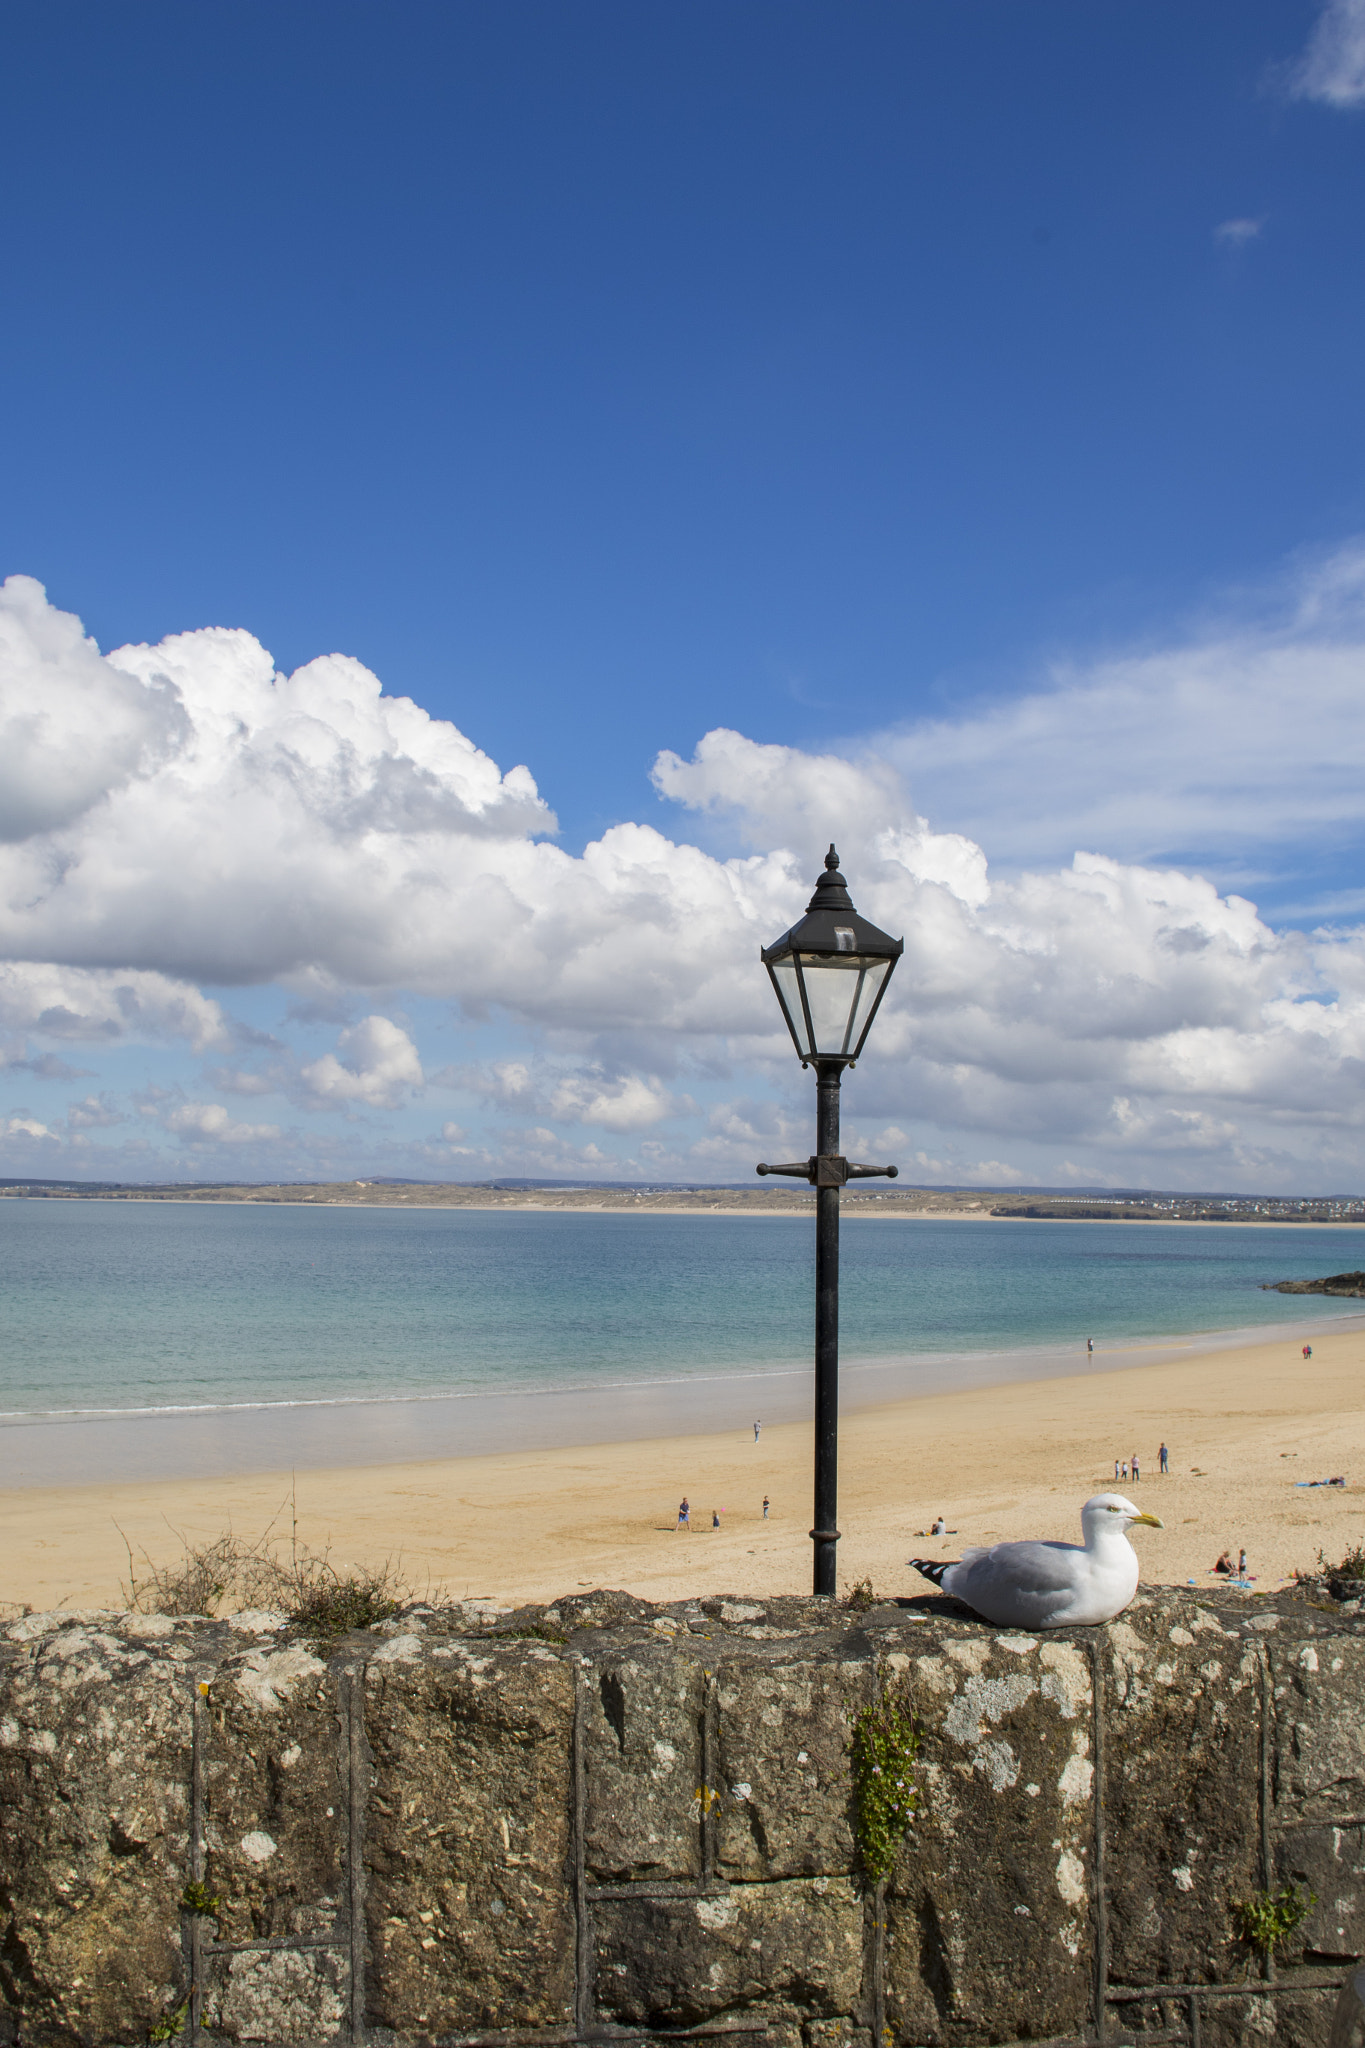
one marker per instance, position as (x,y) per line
(1051,1585)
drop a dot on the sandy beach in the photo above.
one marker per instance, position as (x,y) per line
(1243,1425)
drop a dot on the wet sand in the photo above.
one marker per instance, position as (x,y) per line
(1242,1425)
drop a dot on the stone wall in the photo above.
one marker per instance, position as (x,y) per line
(610,1821)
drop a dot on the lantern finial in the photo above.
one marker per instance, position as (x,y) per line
(831,891)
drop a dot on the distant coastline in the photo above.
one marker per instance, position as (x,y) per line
(904,1203)
(761,1201)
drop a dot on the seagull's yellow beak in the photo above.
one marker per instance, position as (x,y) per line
(1152,1521)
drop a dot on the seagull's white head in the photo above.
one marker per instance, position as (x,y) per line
(1112,1511)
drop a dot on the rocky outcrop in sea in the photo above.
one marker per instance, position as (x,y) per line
(1351,1284)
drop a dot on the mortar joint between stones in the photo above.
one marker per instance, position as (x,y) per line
(585,2003)
(195,1929)
(357,1788)
(1265,1788)
(1099,1643)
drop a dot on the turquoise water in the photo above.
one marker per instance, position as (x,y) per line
(151,1307)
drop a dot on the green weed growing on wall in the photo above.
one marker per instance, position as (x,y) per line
(1267,1919)
(884,1745)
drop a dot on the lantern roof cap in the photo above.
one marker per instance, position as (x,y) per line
(831,891)
(829,914)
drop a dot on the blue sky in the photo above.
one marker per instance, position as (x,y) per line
(966,394)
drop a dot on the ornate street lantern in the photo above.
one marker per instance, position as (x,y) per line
(830,972)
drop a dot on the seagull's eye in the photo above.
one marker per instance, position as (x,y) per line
(1113,1510)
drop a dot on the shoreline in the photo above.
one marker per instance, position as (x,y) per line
(348,1432)
(1243,1423)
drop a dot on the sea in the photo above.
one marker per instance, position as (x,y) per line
(142,1339)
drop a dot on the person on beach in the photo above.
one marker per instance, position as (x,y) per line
(757,1427)
(1308,1351)
(684,1515)
(1116,1468)
(940,1527)
(1241,1564)
(1224,1565)
(1125,1469)
(1089,1348)
(715,1518)
(1136,1473)
(1161,1457)
(765,1507)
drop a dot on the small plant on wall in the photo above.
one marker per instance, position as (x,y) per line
(884,1745)
(171,2025)
(197,1898)
(1266,1920)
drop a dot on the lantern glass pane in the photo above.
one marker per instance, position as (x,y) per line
(784,974)
(832,983)
(873,979)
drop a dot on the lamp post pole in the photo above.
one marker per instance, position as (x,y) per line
(825,1534)
(830,972)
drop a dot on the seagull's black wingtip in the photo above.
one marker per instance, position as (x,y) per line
(932,1567)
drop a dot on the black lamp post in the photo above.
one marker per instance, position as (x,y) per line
(830,972)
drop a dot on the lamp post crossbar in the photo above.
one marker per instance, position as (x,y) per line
(830,1173)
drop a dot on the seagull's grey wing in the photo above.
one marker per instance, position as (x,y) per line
(1020,1585)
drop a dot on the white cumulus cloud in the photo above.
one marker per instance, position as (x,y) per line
(208,1123)
(376,1064)
(103,1005)
(21,1126)
(586,1094)
(630,1103)
(281,828)
(1109,1004)
(71,728)
(778,795)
